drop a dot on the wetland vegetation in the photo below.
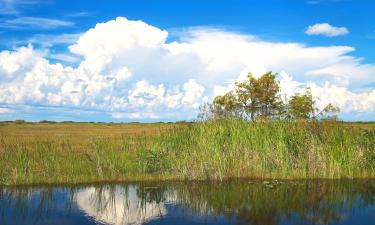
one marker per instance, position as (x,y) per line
(217,149)
(248,132)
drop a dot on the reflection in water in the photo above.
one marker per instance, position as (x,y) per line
(234,202)
(118,205)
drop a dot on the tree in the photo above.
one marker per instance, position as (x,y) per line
(226,105)
(260,97)
(247,98)
(328,112)
(268,93)
(251,98)
(303,106)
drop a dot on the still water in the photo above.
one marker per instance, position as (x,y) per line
(230,202)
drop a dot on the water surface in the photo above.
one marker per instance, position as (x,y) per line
(230,202)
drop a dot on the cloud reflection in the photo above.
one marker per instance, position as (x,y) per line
(118,205)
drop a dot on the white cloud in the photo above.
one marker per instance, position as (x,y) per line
(129,70)
(17,62)
(327,30)
(192,94)
(135,115)
(118,35)
(34,23)
(347,100)
(146,94)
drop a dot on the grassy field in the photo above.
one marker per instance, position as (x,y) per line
(33,153)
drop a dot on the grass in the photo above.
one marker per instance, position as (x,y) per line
(33,153)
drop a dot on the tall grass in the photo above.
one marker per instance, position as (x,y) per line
(280,149)
(216,149)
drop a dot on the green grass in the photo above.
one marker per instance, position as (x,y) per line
(234,148)
(215,150)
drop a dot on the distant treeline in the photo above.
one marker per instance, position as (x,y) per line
(86,122)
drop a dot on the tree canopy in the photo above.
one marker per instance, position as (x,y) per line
(260,98)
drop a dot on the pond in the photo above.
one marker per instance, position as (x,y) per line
(229,202)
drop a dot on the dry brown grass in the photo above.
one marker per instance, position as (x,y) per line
(80,135)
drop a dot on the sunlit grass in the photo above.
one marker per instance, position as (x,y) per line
(234,148)
(60,153)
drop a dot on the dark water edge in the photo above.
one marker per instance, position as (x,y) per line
(228,202)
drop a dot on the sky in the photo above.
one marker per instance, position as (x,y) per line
(160,60)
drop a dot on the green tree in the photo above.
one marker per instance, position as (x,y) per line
(247,97)
(253,98)
(222,106)
(328,112)
(303,106)
(260,97)
(226,105)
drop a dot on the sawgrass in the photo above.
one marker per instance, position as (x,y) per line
(211,150)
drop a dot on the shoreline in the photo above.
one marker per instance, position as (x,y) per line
(182,180)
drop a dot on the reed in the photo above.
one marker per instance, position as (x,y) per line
(230,148)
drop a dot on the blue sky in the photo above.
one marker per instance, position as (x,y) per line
(43,33)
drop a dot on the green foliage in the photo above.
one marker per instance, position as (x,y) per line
(260,98)
(219,149)
(153,160)
(327,111)
(301,106)
(253,98)
(226,105)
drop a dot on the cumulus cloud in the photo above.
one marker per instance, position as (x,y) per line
(348,101)
(129,70)
(326,29)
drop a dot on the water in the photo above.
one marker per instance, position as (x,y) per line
(231,202)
